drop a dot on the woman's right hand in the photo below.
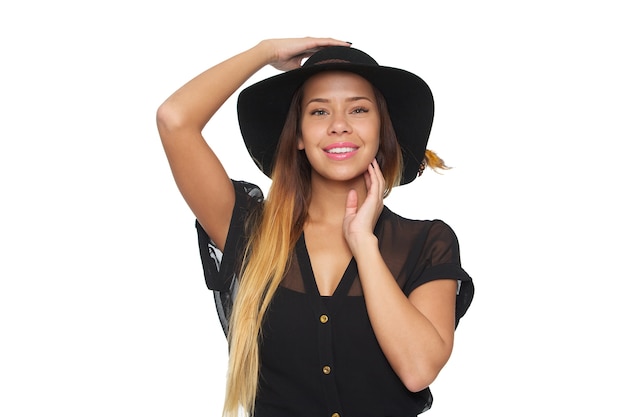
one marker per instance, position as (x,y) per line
(287,54)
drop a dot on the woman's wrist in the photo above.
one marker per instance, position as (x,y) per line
(266,51)
(363,246)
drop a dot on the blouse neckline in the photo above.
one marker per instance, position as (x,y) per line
(308,277)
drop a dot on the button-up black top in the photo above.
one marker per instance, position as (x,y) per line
(319,355)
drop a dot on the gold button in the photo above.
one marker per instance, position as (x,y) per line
(335,415)
(323,318)
(326,370)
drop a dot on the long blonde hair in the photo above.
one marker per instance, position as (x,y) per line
(269,249)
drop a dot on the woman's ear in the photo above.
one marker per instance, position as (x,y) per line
(300,143)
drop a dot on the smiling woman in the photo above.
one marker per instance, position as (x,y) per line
(333,304)
(340,125)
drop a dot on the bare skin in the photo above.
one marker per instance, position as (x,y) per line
(416,333)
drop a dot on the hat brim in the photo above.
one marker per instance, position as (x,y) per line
(262,110)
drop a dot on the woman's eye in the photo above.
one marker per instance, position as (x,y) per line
(360,110)
(318,112)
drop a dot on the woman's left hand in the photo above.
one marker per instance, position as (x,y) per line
(359,222)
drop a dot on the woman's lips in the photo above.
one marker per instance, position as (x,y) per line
(341,151)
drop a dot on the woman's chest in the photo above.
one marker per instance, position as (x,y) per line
(329,256)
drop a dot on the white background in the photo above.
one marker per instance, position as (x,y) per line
(103,308)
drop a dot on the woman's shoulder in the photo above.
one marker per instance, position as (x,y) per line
(248,189)
(404,222)
(423,230)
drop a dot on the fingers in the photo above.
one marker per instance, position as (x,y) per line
(318,43)
(362,219)
(378,171)
(374,180)
(289,53)
(351,203)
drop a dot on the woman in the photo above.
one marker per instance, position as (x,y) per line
(341,307)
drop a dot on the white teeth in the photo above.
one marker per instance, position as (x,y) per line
(341,150)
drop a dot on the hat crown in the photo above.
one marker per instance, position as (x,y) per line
(340,55)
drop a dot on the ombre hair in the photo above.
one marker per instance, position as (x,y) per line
(273,237)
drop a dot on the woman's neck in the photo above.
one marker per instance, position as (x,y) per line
(328,199)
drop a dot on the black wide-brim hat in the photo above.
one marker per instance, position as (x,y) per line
(262,107)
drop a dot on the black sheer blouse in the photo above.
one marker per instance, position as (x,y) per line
(319,355)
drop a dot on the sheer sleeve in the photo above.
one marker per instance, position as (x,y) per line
(440,259)
(221,268)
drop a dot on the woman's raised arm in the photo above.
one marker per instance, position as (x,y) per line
(198,173)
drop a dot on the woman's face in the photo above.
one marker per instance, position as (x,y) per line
(340,125)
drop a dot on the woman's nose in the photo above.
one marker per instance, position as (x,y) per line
(338,125)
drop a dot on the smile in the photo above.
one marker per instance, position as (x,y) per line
(340,150)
